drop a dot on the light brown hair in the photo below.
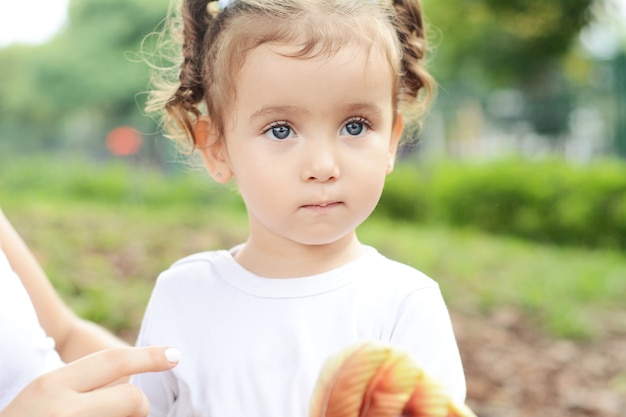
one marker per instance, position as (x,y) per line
(214,46)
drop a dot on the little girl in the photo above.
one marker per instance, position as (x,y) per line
(299,103)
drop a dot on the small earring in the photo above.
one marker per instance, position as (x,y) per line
(218,174)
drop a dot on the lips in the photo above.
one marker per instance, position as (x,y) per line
(322,205)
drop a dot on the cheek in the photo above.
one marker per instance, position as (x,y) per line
(368,179)
(374,173)
(258,180)
(372,162)
(373,189)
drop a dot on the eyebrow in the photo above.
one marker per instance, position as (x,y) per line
(270,110)
(371,108)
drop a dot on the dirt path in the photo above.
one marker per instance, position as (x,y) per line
(514,371)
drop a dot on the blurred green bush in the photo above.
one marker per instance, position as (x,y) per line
(104,229)
(548,201)
(110,181)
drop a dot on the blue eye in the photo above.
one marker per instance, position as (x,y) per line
(279,131)
(355,127)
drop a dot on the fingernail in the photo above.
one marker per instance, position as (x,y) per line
(172,355)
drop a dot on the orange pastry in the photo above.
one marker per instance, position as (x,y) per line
(375,380)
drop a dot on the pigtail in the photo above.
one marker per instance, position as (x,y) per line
(411,34)
(182,106)
(215,36)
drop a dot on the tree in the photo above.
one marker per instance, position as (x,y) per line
(506,40)
(88,74)
(481,45)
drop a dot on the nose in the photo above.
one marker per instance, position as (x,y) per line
(321,161)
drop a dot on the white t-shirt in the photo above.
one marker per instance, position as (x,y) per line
(25,350)
(254,346)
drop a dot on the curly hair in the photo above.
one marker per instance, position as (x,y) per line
(214,44)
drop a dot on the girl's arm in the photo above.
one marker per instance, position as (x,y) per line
(74,337)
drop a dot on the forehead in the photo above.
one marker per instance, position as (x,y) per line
(314,30)
(353,77)
(354,57)
(314,36)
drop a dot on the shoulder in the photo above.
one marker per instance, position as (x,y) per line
(198,261)
(193,270)
(387,285)
(390,273)
(187,284)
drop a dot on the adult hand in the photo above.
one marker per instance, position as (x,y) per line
(83,388)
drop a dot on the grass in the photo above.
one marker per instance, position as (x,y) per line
(104,232)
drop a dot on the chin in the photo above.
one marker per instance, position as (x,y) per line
(327,240)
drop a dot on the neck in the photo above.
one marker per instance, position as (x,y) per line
(291,260)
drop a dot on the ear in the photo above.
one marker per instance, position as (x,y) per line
(213,150)
(396,134)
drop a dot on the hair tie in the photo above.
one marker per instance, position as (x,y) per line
(224,3)
(216,6)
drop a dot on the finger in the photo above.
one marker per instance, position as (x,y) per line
(125,400)
(101,368)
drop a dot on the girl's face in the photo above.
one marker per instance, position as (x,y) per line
(309,143)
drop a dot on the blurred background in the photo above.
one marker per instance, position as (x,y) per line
(512,195)
(529,78)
